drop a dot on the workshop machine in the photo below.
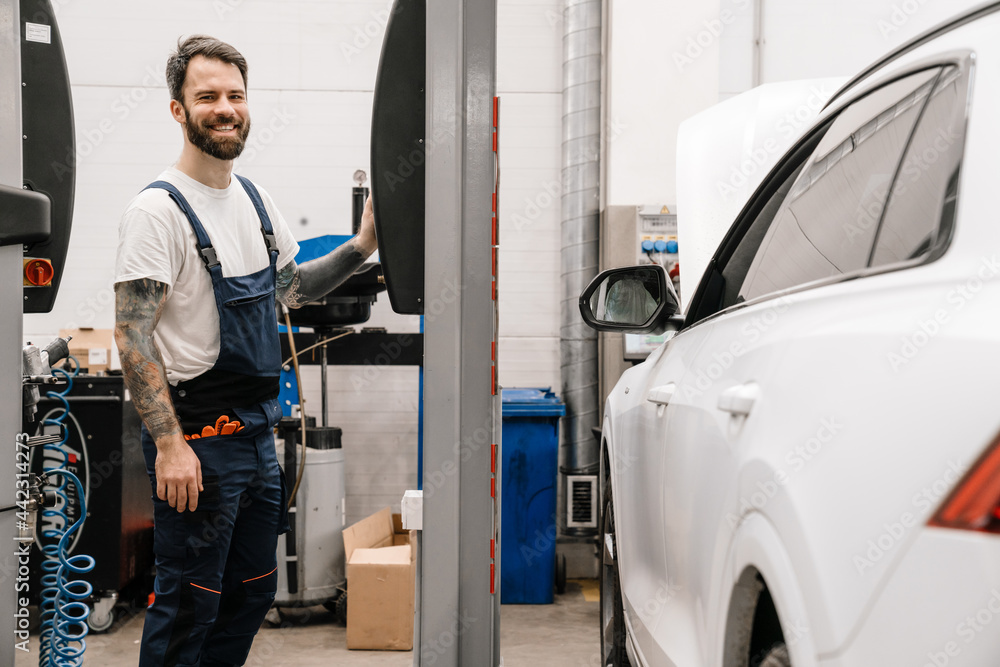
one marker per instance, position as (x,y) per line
(47,502)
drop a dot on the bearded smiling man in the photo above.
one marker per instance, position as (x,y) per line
(203,254)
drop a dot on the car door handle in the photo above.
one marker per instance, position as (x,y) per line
(661,395)
(739,400)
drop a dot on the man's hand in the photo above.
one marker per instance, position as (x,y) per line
(178,473)
(366,235)
(298,284)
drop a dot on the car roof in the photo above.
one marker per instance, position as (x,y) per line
(938,30)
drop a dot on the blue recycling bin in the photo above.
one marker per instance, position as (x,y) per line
(530,449)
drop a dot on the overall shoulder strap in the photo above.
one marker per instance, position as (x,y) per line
(265,220)
(204,243)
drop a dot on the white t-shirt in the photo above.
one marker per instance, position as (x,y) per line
(156,241)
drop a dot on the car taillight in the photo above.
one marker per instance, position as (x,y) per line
(975,502)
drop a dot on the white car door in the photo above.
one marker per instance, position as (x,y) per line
(647,580)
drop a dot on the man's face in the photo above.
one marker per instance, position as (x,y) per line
(215,108)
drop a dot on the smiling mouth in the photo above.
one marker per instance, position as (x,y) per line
(223,127)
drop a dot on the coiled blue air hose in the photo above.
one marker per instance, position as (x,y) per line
(64,610)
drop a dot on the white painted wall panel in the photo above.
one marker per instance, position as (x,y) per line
(530,192)
(529,82)
(663,66)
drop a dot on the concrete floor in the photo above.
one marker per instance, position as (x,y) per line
(561,634)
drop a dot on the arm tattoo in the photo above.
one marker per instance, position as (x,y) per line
(138,304)
(288,285)
(302,283)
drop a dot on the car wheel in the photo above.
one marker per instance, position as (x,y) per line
(777,657)
(612,611)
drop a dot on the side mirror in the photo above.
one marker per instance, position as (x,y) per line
(634,299)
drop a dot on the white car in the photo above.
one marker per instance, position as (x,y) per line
(808,471)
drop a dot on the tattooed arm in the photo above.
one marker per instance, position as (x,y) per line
(138,304)
(298,284)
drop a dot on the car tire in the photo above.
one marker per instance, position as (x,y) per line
(613,639)
(777,657)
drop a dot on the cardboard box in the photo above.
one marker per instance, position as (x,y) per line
(381,569)
(91,347)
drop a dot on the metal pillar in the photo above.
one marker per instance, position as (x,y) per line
(10,303)
(458,616)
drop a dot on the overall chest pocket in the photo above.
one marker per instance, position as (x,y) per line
(247,299)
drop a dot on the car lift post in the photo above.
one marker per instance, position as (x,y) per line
(458,604)
(11,325)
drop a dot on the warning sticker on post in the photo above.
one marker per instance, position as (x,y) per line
(38,32)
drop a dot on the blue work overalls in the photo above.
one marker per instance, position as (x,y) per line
(216,571)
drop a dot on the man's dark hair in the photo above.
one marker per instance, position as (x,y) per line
(199,45)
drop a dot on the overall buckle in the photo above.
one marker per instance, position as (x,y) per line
(209,257)
(272,245)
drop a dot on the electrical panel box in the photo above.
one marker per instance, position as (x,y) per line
(656,243)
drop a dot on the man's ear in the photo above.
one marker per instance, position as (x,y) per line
(177,111)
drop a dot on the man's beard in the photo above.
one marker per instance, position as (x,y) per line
(223,148)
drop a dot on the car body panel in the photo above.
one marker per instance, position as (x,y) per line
(952,583)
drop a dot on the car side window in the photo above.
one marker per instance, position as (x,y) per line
(921,205)
(735,271)
(827,224)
